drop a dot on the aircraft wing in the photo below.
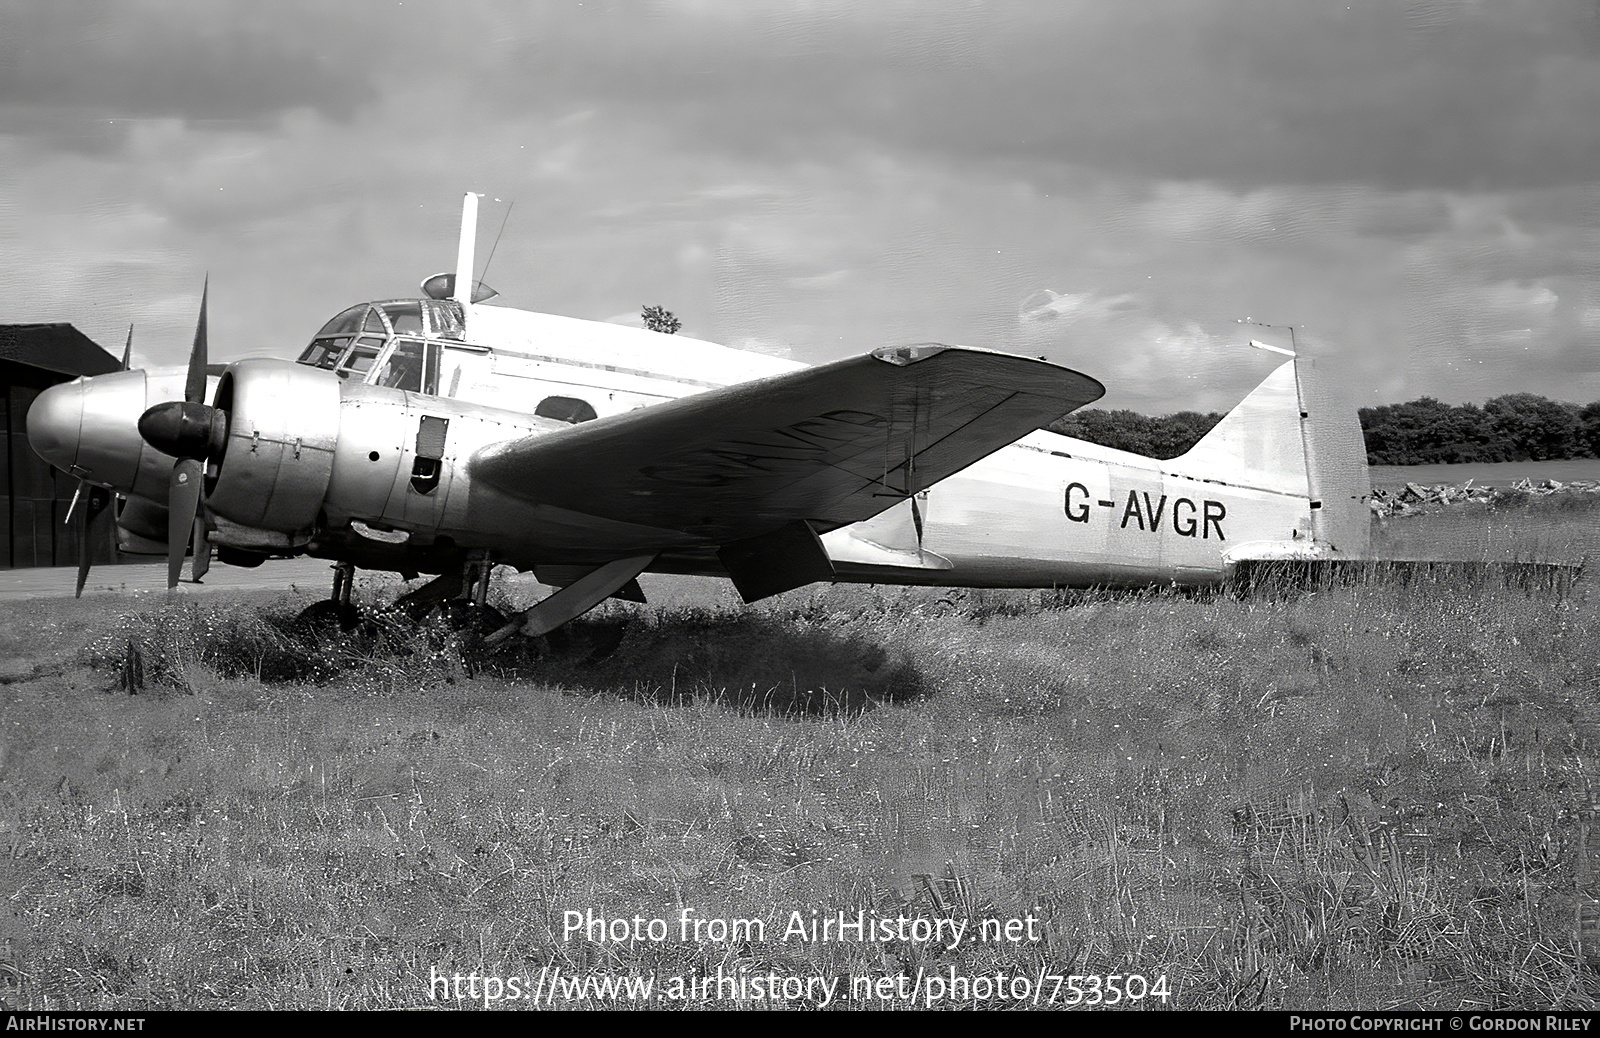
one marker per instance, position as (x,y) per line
(829,445)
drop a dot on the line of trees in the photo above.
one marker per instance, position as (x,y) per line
(1165,437)
(1515,427)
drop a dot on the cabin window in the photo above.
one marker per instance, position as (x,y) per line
(565,409)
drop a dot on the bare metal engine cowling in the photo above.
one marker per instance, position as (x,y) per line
(283,424)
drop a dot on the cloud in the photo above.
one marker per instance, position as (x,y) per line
(1481,340)
(834,176)
(94,68)
(1047,305)
(1237,92)
(1146,363)
(766,347)
(1241,92)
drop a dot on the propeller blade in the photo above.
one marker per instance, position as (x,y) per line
(194,387)
(89,531)
(202,550)
(183,502)
(83,545)
(127,351)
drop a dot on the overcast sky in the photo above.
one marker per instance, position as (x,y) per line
(1110,185)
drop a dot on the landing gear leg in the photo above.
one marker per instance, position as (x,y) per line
(476,575)
(469,617)
(344,579)
(472,614)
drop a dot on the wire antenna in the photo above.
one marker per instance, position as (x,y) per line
(485,271)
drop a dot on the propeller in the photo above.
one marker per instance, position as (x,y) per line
(89,532)
(191,431)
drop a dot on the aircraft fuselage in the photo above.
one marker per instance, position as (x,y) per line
(361,452)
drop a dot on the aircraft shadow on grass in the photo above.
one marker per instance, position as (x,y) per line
(746,661)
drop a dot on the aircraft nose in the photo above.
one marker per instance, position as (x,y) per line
(55,424)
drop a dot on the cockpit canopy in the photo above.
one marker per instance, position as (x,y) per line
(392,343)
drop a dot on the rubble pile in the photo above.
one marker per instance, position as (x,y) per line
(1415,499)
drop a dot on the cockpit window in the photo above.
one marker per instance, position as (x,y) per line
(331,342)
(325,353)
(444,319)
(347,323)
(361,357)
(354,341)
(565,409)
(406,317)
(403,369)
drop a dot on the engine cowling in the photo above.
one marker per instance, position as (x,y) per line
(277,456)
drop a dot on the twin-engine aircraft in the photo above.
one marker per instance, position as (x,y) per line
(444,435)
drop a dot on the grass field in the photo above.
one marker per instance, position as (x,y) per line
(1371,796)
(1562,528)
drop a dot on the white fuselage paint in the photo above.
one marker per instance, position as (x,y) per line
(1053,510)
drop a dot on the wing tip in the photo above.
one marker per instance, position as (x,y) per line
(914,353)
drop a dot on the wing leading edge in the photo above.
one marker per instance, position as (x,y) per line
(828,445)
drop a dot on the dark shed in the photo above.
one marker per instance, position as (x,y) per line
(36,496)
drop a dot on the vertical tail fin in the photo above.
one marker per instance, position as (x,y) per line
(1294,435)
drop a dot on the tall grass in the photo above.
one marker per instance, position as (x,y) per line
(1367,796)
(1561,528)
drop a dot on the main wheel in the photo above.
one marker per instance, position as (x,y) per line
(462,625)
(325,619)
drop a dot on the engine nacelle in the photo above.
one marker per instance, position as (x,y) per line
(283,425)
